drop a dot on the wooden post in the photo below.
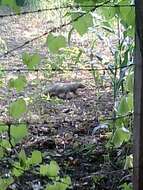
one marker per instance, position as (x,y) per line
(138,99)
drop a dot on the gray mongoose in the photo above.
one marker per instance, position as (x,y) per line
(63,88)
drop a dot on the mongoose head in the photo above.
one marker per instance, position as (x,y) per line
(81,85)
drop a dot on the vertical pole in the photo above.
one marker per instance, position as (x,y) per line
(138,99)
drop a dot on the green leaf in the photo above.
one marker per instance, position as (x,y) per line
(17,169)
(22,158)
(53,169)
(17,108)
(3,128)
(12,4)
(18,83)
(44,170)
(5,183)
(130,102)
(130,82)
(5,143)
(130,32)
(36,157)
(123,106)
(129,162)
(57,186)
(1,152)
(126,186)
(128,12)
(52,187)
(18,132)
(108,12)
(67,180)
(31,60)
(82,24)
(121,135)
(61,186)
(55,43)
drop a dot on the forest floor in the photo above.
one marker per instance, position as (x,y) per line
(73,131)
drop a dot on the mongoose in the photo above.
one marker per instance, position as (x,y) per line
(63,88)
